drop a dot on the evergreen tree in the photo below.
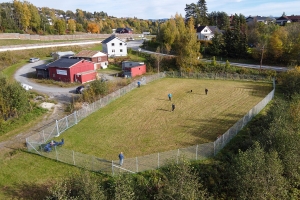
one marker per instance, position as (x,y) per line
(198,12)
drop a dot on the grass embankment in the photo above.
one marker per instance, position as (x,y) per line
(141,122)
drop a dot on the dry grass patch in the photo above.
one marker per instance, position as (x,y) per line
(141,122)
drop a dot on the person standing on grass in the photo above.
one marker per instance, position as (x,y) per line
(170,96)
(121,158)
(139,84)
(173,107)
(206,90)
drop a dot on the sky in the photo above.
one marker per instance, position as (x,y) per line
(159,9)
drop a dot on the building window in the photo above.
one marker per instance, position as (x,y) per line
(112,50)
(121,50)
(112,44)
(121,44)
(205,30)
(53,75)
(99,58)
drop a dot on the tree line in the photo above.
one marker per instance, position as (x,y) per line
(24,17)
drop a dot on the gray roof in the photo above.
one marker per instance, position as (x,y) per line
(64,63)
(107,40)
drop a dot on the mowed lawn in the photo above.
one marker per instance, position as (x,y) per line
(141,122)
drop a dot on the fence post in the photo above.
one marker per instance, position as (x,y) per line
(56,153)
(157,160)
(177,156)
(67,122)
(57,129)
(73,158)
(112,167)
(75,113)
(214,148)
(44,136)
(197,152)
(137,164)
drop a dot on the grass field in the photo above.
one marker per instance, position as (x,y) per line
(141,122)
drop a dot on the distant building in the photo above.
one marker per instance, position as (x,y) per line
(132,69)
(114,46)
(283,20)
(124,30)
(99,59)
(206,32)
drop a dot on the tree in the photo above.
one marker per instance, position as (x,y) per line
(72,25)
(198,12)
(255,174)
(60,26)
(35,20)
(93,27)
(182,183)
(219,19)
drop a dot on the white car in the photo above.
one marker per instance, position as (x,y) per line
(32,60)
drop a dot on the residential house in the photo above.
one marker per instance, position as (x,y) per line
(260,19)
(124,30)
(62,54)
(72,70)
(283,20)
(206,32)
(99,59)
(294,18)
(132,69)
(114,46)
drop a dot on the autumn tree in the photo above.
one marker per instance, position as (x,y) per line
(72,25)
(93,27)
(35,20)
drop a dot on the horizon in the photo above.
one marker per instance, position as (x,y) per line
(156,9)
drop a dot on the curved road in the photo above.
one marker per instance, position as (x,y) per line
(59,93)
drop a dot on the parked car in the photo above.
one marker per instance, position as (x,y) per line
(32,60)
(79,89)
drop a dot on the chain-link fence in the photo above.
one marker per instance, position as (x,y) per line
(37,142)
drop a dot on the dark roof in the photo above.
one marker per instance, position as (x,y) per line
(282,18)
(41,67)
(63,63)
(107,40)
(200,28)
(214,29)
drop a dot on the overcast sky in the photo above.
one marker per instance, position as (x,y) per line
(158,9)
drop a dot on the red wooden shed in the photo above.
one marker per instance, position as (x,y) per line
(66,70)
(132,69)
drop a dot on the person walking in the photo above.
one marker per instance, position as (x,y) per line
(170,96)
(173,107)
(206,90)
(139,84)
(121,158)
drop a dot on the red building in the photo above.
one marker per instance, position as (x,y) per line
(99,59)
(132,69)
(72,70)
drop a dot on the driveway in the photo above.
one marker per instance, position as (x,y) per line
(59,93)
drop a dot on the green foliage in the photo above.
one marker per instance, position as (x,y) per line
(290,81)
(258,174)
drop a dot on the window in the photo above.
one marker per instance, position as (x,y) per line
(121,44)
(112,50)
(112,44)
(121,50)
(53,75)
(205,30)
(99,58)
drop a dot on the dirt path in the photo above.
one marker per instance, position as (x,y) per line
(18,141)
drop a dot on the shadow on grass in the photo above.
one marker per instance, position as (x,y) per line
(161,109)
(23,190)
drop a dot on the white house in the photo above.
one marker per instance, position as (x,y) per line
(283,20)
(114,46)
(206,32)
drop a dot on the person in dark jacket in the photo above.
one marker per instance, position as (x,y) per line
(206,90)
(121,158)
(173,107)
